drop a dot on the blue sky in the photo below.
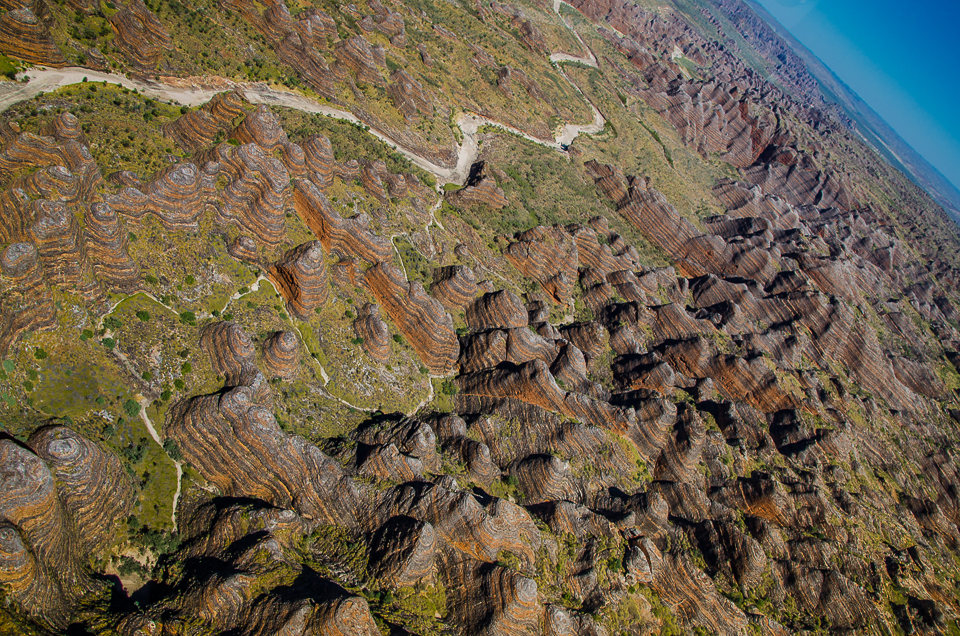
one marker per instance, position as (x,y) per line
(901,57)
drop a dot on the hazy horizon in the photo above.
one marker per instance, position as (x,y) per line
(894,58)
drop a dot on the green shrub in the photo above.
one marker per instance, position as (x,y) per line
(171,448)
(131,408)
(449,387)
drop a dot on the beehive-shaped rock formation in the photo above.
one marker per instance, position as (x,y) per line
(244,248)
(357,55)
(301,277)
(256,190)
(17,215)
(549,256)
(495,600)
(372,174)
(107,249)
(52,515)
(296,50)
(237,445)
(408,95)
(497,309)
(174,195)
(454,286)
(421,319)
(140,35)
(28,305)
(533,383)
(281,354)
(349,237)
(480,189)
(60,247)
(261,127)
(199,128)
(403,551)
(29,150)
(319,161)
(66,127)
(376,336)
(233,356)
(93,485)
(23,35)
(54,183)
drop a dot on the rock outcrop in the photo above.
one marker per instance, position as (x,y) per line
(255,190)
(199,128)
(480,189)
(60,507)
(376,336)
(60,248)
(244,248)
(420,318)
(140,35)
(175,196)
(550,257)
(106,245)
(24,36)
(350,237)
(403,551)
(301,277)
(454,286)
(357,55)
(408,95)
(281,354)
(28,306)
(497,309)
(92,484)
(319,161)
(235,442)
(217,433)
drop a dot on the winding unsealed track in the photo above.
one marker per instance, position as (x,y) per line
(195,93)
